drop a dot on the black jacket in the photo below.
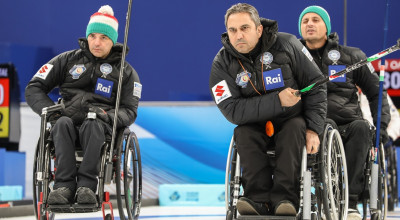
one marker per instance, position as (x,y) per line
(343,106)
(241,104)
(80,75)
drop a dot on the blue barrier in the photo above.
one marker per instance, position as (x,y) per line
(12,168)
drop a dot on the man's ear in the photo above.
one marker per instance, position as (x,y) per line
(259,30)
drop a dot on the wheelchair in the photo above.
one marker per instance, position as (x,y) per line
(120,164)
(323,181)
(375,193)
(391,172)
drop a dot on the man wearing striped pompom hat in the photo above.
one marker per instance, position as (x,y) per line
(88,79)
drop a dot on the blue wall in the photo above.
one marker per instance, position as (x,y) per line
(172,43)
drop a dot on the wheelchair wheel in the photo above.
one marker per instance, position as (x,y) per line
(334,175)
(41,188)
(391,159)
(130,194)
(232,182)
(382,193)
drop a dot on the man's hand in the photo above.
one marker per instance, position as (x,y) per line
(100,114)
(384,136)
(53,116)
(312,142)
(288,98)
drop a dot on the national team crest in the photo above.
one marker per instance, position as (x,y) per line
(105,69)
(334,55)
(77,70)
(242,79)
(267,59)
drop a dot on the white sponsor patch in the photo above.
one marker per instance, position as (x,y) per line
(44,71)
(137,90)
(307,53)
(370,67)
(221,92)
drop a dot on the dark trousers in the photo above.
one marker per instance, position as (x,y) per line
(262,183)
(91,136)
(357,140)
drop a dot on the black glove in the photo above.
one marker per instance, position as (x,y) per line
(384,136)
(53,116)
(100,114)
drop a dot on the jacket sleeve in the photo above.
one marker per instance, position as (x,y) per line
(366,78)
(237,109)
(307,73)
(129,99)
(46,79)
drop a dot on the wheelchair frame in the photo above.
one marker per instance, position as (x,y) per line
(375,186)
(316,172)
(126,173)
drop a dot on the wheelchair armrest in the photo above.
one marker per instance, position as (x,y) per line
(53,108)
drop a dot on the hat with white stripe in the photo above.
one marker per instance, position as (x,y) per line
(103,22)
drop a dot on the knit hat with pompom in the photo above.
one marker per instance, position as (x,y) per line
(103,22)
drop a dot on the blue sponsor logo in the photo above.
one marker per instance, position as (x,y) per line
(273,79)
(103,87)
(337,68)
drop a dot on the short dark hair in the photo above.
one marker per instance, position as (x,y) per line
(246,8)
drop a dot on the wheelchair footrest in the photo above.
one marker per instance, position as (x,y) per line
(74,208)
(264,217)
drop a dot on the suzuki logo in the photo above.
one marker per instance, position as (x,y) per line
(219,90)
(43,69)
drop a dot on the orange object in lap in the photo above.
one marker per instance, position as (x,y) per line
(269,128)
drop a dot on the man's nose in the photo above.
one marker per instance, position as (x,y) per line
(239,35)
(96,41)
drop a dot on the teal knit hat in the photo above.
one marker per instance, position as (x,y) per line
(321,12)
(103,22)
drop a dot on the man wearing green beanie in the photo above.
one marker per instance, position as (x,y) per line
(343,108)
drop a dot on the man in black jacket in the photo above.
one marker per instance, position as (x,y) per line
(253,78)
(88,81)
(343,107)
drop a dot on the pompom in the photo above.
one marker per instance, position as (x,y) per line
(106,9)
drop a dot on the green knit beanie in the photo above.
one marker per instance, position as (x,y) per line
(104,22)
(321,12)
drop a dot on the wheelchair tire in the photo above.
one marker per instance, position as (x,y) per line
(36,186)
(129,194)
(108,217)
(230,181)
(334,175)
(133,181)
(41,188)
(381,204)
(376,216)
(229,215)
(393,196)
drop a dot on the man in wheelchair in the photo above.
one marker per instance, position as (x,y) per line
(88,82)
(343,107)
(253,78)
